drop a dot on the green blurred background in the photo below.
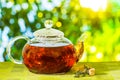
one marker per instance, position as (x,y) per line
(98,19)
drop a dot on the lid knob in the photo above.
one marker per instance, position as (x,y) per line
(48,23)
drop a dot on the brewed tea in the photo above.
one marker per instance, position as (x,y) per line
(49,59)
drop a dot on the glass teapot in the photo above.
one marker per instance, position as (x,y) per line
(49,51)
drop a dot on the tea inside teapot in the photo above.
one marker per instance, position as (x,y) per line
(52,59)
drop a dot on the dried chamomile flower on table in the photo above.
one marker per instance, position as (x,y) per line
(91,71)
(87,71)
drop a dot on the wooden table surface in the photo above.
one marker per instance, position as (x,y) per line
(104,71)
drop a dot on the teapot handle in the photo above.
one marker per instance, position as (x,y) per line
(8,49)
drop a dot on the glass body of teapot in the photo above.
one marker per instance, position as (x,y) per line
(49,52)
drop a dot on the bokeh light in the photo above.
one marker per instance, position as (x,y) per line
(118,57)
(58,24)
(93,49)
(40,14)
(99,55)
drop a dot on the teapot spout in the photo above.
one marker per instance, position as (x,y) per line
(79,50)
(80,46)
(83,37)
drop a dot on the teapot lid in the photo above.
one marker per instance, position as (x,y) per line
(48,31)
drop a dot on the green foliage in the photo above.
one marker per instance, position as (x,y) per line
(102,27)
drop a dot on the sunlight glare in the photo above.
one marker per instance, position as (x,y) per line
(95,5)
